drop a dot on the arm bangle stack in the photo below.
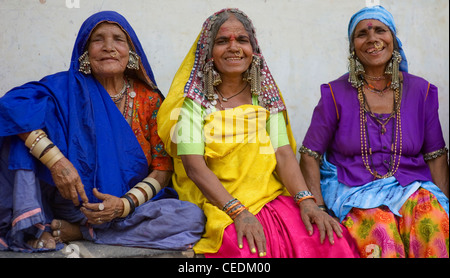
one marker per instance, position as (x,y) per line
(32,137)
(233,208)
(139,194)
(126,207)
(303,195)
(42,148)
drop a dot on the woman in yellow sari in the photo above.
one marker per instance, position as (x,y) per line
(225,124)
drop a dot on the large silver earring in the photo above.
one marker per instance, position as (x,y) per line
(355,69)
(133,60)
(211,78)
(393,69)
(85,64)
(255,75)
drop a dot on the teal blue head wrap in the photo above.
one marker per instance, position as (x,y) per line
(381,14)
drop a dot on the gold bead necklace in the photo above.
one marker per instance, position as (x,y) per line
(396,146)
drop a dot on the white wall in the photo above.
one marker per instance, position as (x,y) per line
(304,41)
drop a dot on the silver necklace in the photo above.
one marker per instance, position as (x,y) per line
(118,97)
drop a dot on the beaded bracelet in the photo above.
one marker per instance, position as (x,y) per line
(233,208)
(229,203)
(303,195)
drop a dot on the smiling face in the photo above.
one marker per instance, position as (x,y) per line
(232,51)
(374,43)
(108,51)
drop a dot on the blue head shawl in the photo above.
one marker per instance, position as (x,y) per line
(81,119)
(381,14)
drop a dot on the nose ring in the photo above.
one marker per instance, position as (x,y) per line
(378,45)
(239,53)
(113,54)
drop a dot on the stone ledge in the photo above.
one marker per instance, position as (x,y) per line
(87,249)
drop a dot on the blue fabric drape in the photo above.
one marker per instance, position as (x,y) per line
(81,119)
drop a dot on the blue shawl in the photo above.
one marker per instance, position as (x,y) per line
(81,119)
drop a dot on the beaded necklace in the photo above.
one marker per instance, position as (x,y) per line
(129,103)
(117,98)
(396,145)
(372,89)
(382,122)
(375,78)
(129,99)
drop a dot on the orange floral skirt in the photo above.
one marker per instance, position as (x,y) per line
(421,232)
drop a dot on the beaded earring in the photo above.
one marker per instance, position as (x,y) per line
(133,60)
(355,69)
(85,64)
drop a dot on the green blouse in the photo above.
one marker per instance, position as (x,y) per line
(190,138)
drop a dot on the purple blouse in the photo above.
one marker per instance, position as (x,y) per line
(335,129)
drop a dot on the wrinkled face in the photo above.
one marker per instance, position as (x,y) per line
(373,43)
(232,51)
(108,50)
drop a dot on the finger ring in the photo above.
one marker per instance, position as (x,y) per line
(99,220)
(101,206)
(59,225)
(40,244)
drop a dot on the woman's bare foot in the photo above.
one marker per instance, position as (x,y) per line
(64,231)
(45,241)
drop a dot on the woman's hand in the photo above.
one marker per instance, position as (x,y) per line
(68,181)
(247,225)
(99,213)
(327,225)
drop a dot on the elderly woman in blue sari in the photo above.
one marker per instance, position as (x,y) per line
(80,153)
(383,169)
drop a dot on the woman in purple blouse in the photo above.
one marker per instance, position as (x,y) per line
(374,155)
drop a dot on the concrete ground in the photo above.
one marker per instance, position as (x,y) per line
(87,249)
